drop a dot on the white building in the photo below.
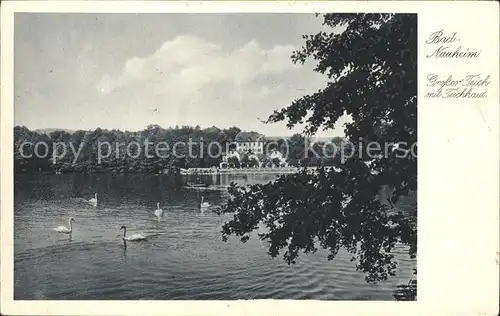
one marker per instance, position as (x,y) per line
(256,147)
(249,142)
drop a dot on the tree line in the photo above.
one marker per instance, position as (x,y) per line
(79,151)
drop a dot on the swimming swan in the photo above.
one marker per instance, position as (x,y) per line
(134,237)
(204,204)
(158,211)
(64,229)
(93,200)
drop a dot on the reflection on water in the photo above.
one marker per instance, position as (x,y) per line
(184,257)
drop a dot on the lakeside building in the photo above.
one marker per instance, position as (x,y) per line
(250,142)
(251,145)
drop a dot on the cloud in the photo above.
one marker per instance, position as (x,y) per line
(192,81)
(189,63)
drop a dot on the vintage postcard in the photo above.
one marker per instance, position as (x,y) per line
(249,158)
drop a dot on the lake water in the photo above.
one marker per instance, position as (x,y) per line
(184,257)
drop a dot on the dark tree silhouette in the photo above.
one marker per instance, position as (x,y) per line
(233,162)
(371,75)
(276,162)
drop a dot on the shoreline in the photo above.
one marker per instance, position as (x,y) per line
(190,171)
(210,171)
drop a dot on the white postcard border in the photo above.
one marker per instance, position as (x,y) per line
(458,196)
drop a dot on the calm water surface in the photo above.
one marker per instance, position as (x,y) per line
(184,257)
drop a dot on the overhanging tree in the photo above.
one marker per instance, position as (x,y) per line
(371,71)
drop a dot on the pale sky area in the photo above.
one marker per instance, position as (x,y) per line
(126,71)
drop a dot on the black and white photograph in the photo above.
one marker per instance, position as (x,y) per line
(215,156)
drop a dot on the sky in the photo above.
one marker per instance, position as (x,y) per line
(126,71)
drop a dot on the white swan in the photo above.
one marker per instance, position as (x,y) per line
(93,200)
(204,204)
(158,211)
(64,229)
(134,237)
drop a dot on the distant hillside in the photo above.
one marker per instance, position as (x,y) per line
(51,130)
(321,139)
(247,136)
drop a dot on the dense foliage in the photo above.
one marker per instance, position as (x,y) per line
(118,160)
(371,71)
(82,150)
